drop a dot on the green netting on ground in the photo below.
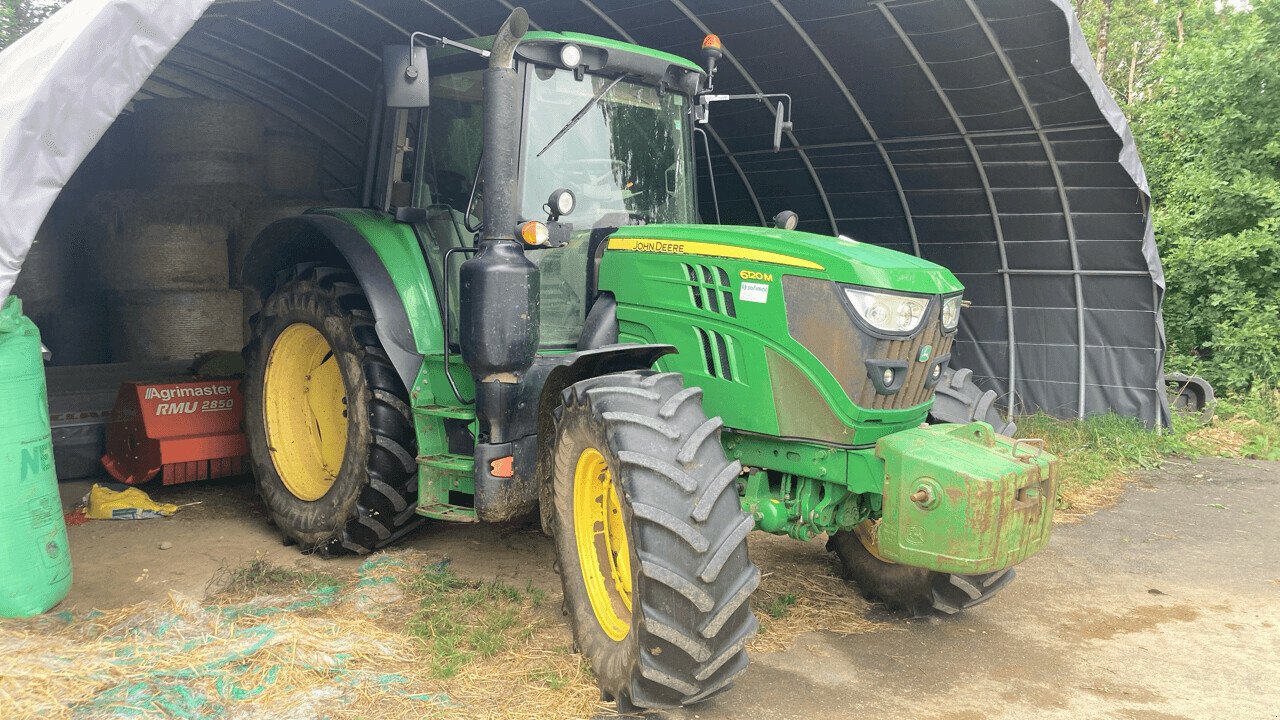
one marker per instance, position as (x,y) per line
(306,654)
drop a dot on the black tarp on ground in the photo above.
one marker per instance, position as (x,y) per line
(974,133)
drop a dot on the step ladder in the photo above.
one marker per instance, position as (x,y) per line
(442,472)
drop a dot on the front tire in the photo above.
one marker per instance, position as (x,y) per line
(917,590)
(330,431)
(913,590)
(651,540)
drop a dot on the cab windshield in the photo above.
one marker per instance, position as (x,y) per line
(626,160)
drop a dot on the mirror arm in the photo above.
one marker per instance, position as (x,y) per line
(446,42)
(706,99)
(782,108)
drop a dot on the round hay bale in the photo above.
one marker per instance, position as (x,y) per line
(172,239)
(198,142)
(253,222)
(167,256)
(294,164)
(43,274)
(76,332)
(223,205)
(174,324)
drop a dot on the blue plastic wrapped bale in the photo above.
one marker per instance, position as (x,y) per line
(35,564)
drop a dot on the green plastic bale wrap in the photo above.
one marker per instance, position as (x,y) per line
(35,564)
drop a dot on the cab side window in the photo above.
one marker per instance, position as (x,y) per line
(450,146)
(453,139)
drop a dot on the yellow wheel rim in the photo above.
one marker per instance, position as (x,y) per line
(305,411)
(868,532)
(603,550)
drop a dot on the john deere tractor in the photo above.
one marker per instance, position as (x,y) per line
(526,319)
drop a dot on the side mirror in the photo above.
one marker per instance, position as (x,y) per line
(406,77)
(780,124)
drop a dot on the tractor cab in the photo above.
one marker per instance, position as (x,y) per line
(602,141)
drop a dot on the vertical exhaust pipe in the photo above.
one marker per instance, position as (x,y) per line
(501,138)
(499,285)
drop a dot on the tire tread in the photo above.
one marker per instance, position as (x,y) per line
(694,576)
(365,529)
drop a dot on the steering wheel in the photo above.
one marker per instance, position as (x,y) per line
(594,172)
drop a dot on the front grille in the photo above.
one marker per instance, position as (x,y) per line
(817,319)
(709,289)
(717,353)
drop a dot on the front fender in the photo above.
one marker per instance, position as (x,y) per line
(533,422)
(387,261)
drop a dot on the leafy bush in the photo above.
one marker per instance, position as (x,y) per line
(1209,134)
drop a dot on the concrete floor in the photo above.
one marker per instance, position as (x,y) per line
(1166,606)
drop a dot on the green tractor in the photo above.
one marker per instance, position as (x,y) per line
(526,318)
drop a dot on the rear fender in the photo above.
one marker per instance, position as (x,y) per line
(387,261)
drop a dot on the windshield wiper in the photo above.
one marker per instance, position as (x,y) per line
(581,114)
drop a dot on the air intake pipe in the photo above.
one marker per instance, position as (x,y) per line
(499,285)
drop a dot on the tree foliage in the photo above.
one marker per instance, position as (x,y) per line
(1200,80)
(18,17)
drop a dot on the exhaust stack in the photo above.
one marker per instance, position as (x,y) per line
(499,285)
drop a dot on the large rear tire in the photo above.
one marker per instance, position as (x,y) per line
(330,430)
(651,540)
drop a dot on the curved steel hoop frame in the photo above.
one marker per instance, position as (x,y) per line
(986,189)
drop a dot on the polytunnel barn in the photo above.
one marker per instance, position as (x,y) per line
(973,133)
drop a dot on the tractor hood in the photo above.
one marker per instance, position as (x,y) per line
(841,259)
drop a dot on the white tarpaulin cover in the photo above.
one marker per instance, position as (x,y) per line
(61,86)
(973,133)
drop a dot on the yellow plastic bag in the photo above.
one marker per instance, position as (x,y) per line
(103,503)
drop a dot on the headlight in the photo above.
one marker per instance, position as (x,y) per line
(570,56)
(951,312)
(888,313)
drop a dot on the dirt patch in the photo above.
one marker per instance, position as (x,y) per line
(222,552)
(960,715)
(1220,441)
(1101,625)
(1144,714)
(1021,655)
(1078,502)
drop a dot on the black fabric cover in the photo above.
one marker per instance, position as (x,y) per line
(974,133)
